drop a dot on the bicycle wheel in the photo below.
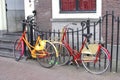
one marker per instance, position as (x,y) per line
(94,66)
(49,59)
(64,56)
(18,49)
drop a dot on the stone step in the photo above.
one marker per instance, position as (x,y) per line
(10,39)
(6,53)
(7,44)
(13,34)
(6,49)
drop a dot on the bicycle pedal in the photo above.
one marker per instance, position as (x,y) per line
(70,63)
(57,63)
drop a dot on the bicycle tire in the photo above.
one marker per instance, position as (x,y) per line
(100,66)
(50,59)
(18,49)
(64,56)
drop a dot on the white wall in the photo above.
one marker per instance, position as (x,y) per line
(56,11)
(3,25)
(29,7)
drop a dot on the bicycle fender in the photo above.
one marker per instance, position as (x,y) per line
(108,53)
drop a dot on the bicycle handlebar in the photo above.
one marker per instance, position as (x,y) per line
(31,16)
(29,23)
(30,19)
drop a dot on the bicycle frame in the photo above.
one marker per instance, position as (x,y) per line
(30,47)
(77,54)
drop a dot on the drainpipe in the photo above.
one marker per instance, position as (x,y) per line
(6,15)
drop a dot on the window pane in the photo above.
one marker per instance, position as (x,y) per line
(87,5)
(68,5)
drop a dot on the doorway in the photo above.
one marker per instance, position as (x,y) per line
(15,14)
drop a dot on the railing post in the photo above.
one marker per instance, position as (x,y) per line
(73,39)
(88,32)
(117,47)
(112,38)
(23,25)
(31,33)
(88,28)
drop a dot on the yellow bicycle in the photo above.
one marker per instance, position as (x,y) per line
(43,50)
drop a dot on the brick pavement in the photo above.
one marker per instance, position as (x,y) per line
(31,70)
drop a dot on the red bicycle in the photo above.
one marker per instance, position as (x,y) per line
(94,57)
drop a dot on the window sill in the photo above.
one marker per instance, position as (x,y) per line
(70,12)
(73,20)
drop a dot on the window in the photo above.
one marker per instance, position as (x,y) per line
(77,5)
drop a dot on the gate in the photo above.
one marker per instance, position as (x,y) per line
(111,35)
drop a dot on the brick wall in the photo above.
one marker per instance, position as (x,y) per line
(44,12)
(110,5)
(43,8)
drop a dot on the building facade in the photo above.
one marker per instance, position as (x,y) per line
(52,14)
(66,11)
(12,12)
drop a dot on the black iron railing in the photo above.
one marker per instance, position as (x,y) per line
(105,30)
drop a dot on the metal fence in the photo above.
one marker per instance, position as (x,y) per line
(105,30)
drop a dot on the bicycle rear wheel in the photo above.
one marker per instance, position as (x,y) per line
(64,56)
(49,59)
(18,49)
(98,67)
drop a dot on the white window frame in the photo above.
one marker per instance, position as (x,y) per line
(57,15)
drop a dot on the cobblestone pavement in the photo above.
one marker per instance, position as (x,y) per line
(31,70)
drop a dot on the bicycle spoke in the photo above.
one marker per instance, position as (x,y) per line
(49,58)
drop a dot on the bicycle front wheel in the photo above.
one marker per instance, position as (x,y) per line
(96,63)
(49,59)
(18,49)
(64,56)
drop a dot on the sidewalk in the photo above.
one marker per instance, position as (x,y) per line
(31,70)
